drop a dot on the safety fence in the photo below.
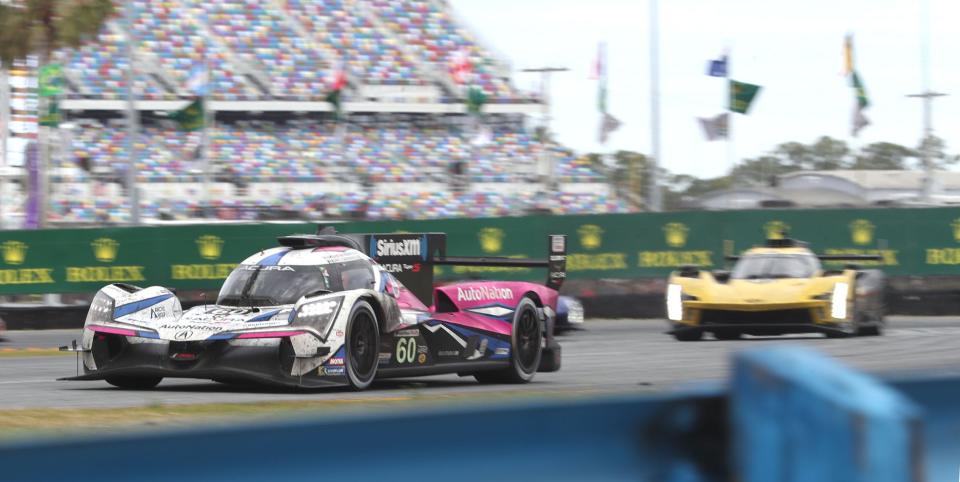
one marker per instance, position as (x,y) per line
(910,242)
(788,414)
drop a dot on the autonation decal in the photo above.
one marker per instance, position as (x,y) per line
(484,293)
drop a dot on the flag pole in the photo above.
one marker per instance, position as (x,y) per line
(208,120)
(132,122)
(4,135)
(731,152)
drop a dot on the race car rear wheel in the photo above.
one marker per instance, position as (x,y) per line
(362,345)
(526,347)
(134,383)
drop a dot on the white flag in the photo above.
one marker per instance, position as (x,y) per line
(608,124)
(715,127)
(859,120)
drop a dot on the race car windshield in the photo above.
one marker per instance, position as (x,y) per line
(251,285)
(773,266)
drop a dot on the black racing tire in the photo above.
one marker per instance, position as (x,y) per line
(875,328)
(362,344)
(688,335)
(134,383)
(526,347)
(727,335)
(872,330)
(847,330)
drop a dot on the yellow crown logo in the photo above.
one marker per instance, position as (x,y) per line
(491,240)
(675,234)
(956,229)
(14,252)
(861,231)
(105,249)
(591,236)
(209,246)
(776,229)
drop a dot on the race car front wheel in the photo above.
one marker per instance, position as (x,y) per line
(362,343)
(526,347)
(134,383)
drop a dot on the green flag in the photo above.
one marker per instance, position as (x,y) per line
(476,97)
(334,99)
(50,81)
(741,96)
(862,99)
(52,117)
(190,117)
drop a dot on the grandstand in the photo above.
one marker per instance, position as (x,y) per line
(405,149)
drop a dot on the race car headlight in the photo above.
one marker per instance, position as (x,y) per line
(838,302)
(674,302)
(101,309)
(319,314)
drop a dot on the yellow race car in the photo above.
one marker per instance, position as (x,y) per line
(775,289)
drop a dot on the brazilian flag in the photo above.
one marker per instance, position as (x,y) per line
(741,96)
(862,99)
(52,117)
(190,118)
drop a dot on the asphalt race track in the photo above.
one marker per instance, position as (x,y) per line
(606,356)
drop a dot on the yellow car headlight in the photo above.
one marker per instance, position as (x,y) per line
(674,302)
(838,301)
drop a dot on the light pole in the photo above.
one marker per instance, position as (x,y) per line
(656,197)
(546,160)
(927,96)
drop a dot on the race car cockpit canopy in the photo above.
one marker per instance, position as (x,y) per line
(775,266)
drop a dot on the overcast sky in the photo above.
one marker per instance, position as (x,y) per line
(793,49)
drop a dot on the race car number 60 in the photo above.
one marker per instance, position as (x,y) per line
(406,350)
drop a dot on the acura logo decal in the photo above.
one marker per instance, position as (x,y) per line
(183,335)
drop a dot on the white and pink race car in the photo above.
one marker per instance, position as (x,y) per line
(331,309)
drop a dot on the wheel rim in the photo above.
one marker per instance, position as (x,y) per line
(528,339)
(363,350)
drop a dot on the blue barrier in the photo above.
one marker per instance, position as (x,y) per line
(802,415)
(790,415)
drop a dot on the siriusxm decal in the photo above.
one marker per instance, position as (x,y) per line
(398,247)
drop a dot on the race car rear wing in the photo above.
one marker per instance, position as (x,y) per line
(410,257)
(795,243)
(831,257)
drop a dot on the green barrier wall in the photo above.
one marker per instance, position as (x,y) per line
(83,260)
(911,242)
